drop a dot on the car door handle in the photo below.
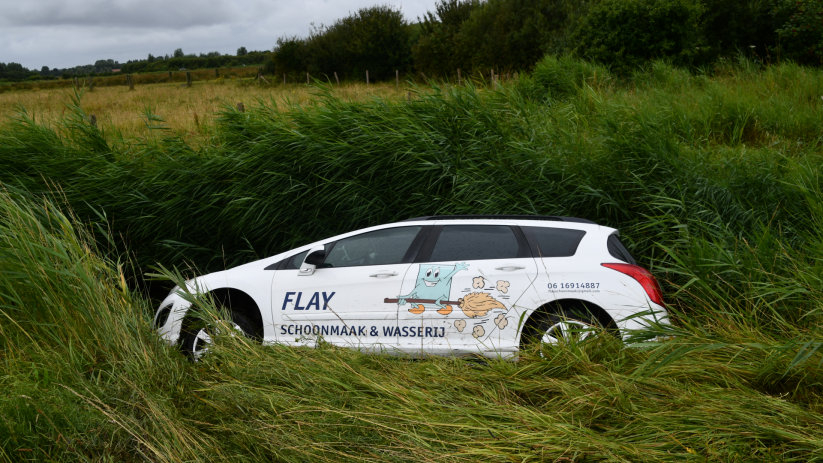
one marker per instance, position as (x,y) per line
(384,275)
(509,268)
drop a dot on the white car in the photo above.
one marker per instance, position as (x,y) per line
(445,285)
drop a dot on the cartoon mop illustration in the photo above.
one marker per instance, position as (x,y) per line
(473,304)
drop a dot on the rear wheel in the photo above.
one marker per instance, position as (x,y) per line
(561,327)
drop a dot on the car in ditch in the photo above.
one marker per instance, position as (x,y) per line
(441,285)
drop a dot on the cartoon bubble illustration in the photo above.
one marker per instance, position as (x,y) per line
(479,304)
(478,331)
(503,286)
(501,321)
(460,325)
(478,282)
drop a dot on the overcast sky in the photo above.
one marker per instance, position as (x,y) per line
(67,33)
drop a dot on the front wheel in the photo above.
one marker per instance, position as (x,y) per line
(196,336)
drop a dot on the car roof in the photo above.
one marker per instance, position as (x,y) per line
(555,218)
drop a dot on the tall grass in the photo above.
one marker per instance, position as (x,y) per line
(713,179)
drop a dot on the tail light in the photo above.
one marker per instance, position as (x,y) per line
(644,277)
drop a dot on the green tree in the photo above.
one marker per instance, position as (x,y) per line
(242,51)
(513,34)
(289,56)
(374,39)
(438,49)
(504,34)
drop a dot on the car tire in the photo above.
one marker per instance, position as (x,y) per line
(565,326)
(195,338)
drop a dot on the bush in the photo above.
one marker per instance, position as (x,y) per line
(563,76)
(624,34)
(802,35)
(732,26)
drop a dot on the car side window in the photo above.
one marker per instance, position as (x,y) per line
(380,247)
(554,242)
(476,242)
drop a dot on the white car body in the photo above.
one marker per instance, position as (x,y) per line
(466,305)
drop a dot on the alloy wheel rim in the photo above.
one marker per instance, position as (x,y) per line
(566,331)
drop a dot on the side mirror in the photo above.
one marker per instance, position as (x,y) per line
(314,258)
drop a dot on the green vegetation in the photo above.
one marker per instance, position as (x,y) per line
(373,39)
(507,36)
(512,35)
(714,180)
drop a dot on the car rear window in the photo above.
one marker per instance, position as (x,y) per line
(476,242)
(618,251)
(554,242)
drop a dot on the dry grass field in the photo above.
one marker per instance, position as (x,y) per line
(187,111)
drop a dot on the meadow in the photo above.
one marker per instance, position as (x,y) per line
(189,112)
(714,179)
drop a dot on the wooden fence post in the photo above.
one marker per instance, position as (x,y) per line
(396,79)
(284,78)
(188,79)
(307,78)
(170,76)
(130,80)
(216,72)
(367,77)
(459,77)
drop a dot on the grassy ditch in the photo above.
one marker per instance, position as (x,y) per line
(713,179)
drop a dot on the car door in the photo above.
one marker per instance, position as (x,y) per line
(342,300)
(463,296)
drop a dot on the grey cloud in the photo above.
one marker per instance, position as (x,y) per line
(131,13)
(65,33)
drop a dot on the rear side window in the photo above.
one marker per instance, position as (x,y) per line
(618,251)
(476,242)
(554,242)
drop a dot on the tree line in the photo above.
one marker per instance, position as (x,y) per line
(512,35)
(179,60)
(174,62)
